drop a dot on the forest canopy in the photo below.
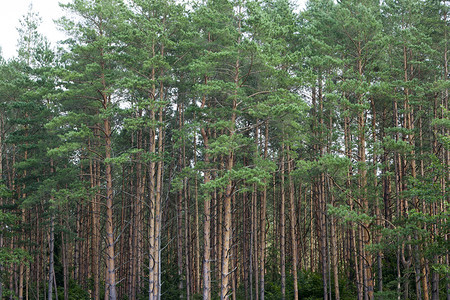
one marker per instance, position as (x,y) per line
(228,149)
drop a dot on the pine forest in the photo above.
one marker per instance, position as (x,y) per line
(228,149)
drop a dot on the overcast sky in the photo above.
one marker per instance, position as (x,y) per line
(12,10)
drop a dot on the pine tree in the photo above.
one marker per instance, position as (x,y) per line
(89,77)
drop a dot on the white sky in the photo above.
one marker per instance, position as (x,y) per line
(12,10)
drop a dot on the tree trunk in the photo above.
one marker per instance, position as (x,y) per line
(283,229)
(153,260)
(110,242)
(254,240)
(293,222)
(51,262)
(187,237)
(207,216)
(227,230)
(197,230)
(94,177)
(180,235)
(158,195)
(65,267)
(334,246)
(262,254)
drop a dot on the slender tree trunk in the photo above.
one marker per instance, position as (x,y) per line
(110,277)
(187,237)
(65,267)
(312,260)
(77,245)
(254,241)
(152,198)
(218,228)
(293,222)
(207,215)
(180,220)
(366,239)
(334,246)
(22,263)
(283,229)
(153,253)
(227,230)
(110,242)
(263,219)
(207,235)
(51,263)
(158,195)
(323,234)
(186,211)
(140,179)
(445,132)
(233,250)
(352,242)
(435,282)
(95,238)
(321,197)
(377,198)
(197,230)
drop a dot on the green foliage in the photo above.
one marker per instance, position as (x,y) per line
(13,256)
(310,286)
(399,146)
(344,213)
(75,292)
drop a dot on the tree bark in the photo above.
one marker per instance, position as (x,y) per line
(262,254)
(293,222)
(207,215)
(282,228)
(51,262)
(110,242)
